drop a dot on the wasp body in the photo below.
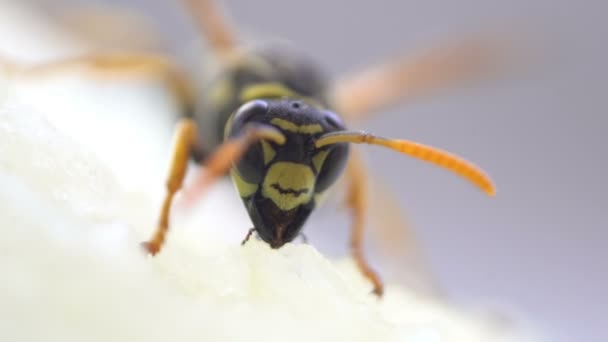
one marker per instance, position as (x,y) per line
(280,184)
(268,71)
(269,119)
(272,128)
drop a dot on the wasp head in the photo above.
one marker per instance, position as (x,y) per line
(281,184)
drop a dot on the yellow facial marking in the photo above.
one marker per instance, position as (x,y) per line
(288,184)
(244,188)
(268,151)
(292,127)
(265,90)
(319,159)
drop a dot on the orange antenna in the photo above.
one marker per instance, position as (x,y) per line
(429,154)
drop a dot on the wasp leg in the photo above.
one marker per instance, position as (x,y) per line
(185,137)
(221,160)
(215,26)
(115,66)
(303,237)
(356,201)
(247,236)
(403,79)
(214,167)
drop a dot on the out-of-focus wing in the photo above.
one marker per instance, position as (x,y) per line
(394,237)
(404,79)
(215,27)
(102,27)
(114,66)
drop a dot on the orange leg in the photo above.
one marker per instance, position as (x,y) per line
(217,165)
(185,137)
(356,201)
(114,66)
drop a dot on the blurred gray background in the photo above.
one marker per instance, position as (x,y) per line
(538,248)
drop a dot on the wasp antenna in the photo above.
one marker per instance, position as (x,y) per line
(429,154)
(255,132)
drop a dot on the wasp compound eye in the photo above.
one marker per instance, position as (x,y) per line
(250,110)
(333,120)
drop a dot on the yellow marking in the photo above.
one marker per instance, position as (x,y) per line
(244,188)
(251,62)
(265,90)
(319,159)
(292,127)
(268,151)
(320,197)
(288,184)
(221,93)
(228,126)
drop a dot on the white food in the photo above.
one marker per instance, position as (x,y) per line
(72,270)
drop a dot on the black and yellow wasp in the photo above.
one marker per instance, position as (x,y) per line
(274,127)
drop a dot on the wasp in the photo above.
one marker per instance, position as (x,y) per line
(272,120)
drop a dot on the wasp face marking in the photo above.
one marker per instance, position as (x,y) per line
(268,152)
(281,184)
(295,193)
(319,159)
(295,128)
(244,188)
(288,184)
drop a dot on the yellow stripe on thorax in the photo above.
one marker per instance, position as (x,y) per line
(265,90)
(274,90)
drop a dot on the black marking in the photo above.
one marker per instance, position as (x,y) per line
(273,225)
(295,193)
